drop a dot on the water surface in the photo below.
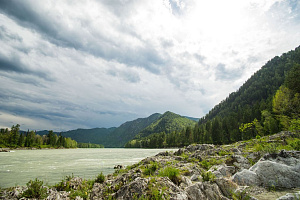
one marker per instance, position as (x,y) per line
(52,165)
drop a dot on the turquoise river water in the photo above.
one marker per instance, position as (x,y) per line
(52,165)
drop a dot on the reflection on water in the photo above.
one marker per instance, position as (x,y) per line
(51,166)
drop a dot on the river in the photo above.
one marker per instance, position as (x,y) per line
(52,165)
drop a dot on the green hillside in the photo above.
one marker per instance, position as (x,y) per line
(127,131)
(112,137)
(95,135)
(168,123)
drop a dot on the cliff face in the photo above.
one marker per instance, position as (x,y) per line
(264,168)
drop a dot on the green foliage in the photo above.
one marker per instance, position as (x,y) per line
(100,178)
(80,188)
(294,125)
(151,168)
(295,144)
(207,164)
(35,189)
(223,153)
(240,195)
(172,173)
(208,176)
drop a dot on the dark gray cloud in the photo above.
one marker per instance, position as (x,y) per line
(97,43)
(14,64)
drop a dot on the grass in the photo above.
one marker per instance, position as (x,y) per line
(208,163)
(151,168)
(208,176)
(171,172)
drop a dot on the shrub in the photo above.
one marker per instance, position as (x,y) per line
(295,144)
(100,178)
(150,169)
(35,189)
(240,195)
(208,176)
(172,173)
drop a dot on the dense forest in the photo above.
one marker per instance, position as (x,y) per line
(15,138)
(267,103)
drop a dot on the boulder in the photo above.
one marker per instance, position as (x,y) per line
(222,170)
(119,167)
(204,190)
(136,188)
(273,170)
(239,162)
(226,186)
(290,196)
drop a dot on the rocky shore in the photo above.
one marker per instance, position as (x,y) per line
(265,168)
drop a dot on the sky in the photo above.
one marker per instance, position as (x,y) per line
(99,63)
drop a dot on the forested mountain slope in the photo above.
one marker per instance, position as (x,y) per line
(112,137)
(95,135)
(257,90)
(127,131)
(168,123)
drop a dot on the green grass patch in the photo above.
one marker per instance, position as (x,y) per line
(171,172)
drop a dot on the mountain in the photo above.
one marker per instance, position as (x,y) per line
(95,135)
(127,131)
(110,137)
(167,123)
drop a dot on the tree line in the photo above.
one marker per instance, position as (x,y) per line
(14,139)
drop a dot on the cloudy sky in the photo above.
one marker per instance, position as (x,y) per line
(98,63)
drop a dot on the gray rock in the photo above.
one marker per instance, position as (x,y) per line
(194,177)
(290,196)
(185,182)
(240,162)
(226,186)
(246,177)
(204,190)
(202,147)
(276,170)
(222,170)
(137,187)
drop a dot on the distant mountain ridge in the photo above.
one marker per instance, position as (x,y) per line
(167,123)
(119,136)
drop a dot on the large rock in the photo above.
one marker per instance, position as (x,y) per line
(204,190)
(277,170)
(239,162)
(142,186)
(222,170)
(290,196)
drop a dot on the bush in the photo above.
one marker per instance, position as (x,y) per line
(240,195)
(35,189)
(172,173)
(208,176)
(150,169)
(100,178)
(295,144)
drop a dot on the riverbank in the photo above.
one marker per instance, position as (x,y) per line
(265,168)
